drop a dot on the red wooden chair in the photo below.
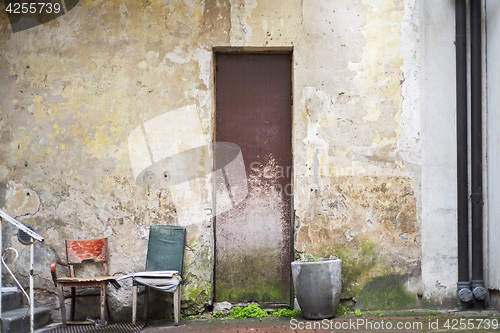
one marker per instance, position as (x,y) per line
(76,252)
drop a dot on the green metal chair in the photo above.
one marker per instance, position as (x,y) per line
(163,267)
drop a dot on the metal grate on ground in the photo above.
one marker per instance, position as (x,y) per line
(120,327)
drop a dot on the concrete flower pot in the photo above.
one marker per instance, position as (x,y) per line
(317,287)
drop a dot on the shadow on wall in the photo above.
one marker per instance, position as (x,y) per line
(171,151)
(29,14)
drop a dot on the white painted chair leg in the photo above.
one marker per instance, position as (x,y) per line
(146,297)
(134,304)
(60,294)
(177,305)
(103,303)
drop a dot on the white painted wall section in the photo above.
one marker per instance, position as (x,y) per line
(439,227)
(493,141)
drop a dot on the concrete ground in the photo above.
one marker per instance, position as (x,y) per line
(409,321)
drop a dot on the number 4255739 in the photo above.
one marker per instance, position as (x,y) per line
(471,324)
(33,8)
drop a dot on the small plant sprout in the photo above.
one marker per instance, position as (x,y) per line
(342,310)
(310,258)
(434,312)
(218,314)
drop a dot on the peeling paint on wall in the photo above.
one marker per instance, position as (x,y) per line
(74,89)
(241,32)
(351,183)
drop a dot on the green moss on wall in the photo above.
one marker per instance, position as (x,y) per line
(368,281)
(360,263)
(268,292)
(388,293)
(251,276)
(198,296)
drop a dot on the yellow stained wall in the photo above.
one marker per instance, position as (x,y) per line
(73,90)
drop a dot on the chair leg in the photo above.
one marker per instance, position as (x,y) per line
(146,297)
(134,304)
(73,303)
(177,305)
(108,310)
(103,302)
(62,306)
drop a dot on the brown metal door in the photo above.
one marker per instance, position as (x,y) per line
(253,239)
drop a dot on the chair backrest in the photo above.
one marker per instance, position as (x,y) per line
(165,248)
(80,250)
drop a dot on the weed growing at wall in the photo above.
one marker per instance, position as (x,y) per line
(287,313)
(310,258)
(254,311)
(434,312)
(342,310)
(250,311)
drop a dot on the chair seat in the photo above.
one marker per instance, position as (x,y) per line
(155,274)
(164,284)
(97,279)
(87,281)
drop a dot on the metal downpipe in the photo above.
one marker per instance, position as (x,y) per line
(477,282)
(463,284)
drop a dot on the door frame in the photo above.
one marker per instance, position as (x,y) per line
(255,50)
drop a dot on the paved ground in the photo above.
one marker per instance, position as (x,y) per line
(418,321)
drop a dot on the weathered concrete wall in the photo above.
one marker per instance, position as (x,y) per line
(439,180)
(493,152)
(356,143)
(74,89)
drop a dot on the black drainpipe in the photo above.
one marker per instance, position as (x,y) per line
(477,282)
(463,285)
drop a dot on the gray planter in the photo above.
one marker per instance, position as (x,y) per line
(317,287)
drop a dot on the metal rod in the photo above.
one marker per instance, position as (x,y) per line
(21,226)
(1,282)
(8,218)
(32,290)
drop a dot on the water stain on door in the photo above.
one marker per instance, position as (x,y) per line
(253,239)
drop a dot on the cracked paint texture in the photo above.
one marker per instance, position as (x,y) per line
(73,89)
(352,184)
